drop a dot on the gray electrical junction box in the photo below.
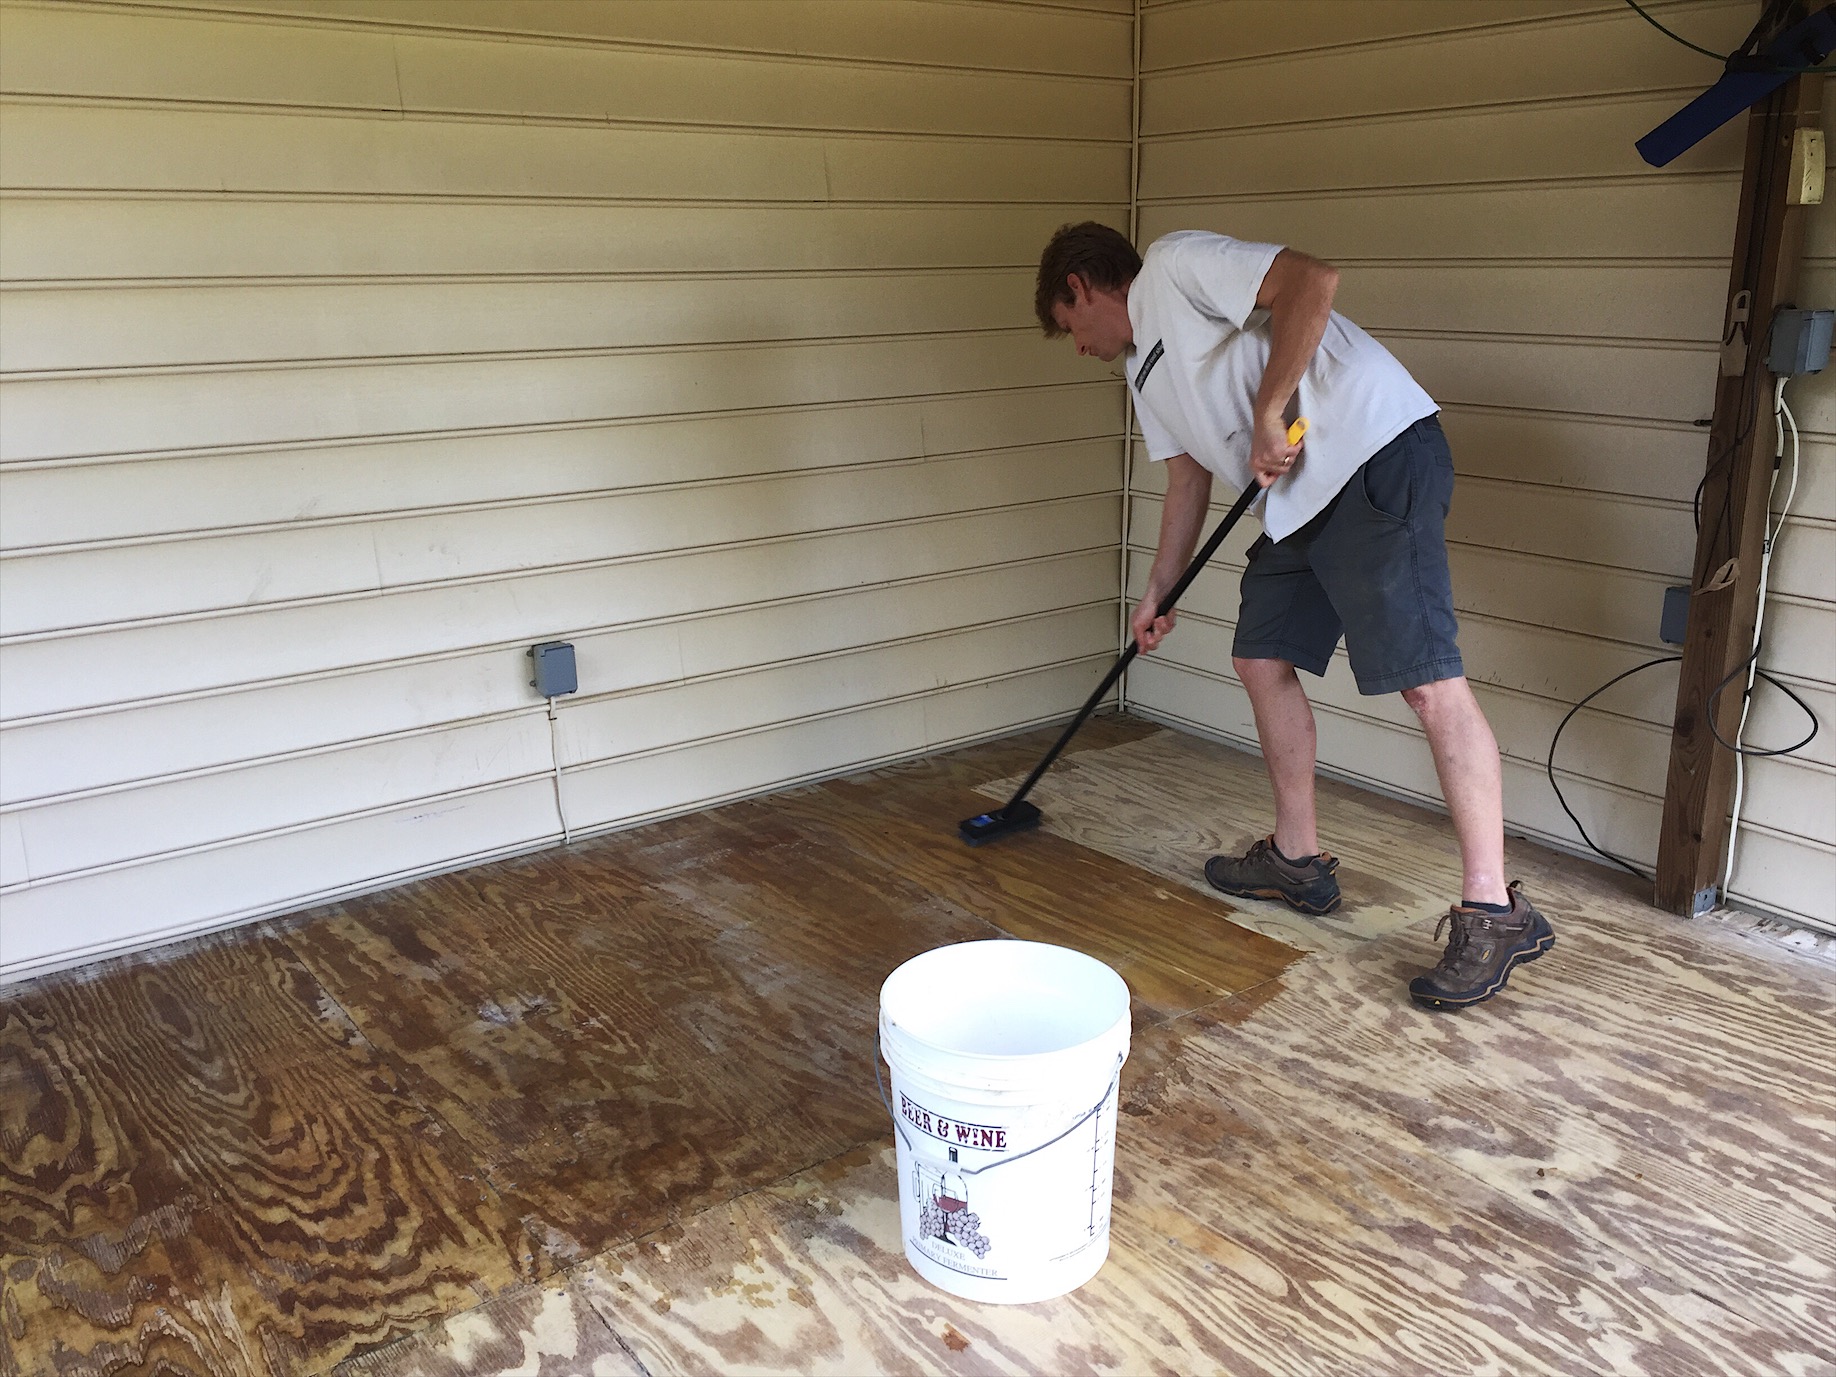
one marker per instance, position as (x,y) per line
(1800,343)
(554,669)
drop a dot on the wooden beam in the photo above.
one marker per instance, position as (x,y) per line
(1768,244)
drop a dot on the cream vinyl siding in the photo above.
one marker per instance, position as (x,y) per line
(351,346)
(1470,169)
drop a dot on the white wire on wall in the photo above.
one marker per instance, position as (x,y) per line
(1774,529)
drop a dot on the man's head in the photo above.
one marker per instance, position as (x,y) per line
(1082,290)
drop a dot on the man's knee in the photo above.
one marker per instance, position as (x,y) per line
(1262,671)
(1434,701)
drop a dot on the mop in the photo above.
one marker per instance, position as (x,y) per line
(1016,815)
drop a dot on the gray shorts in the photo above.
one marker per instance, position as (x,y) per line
(1373,566)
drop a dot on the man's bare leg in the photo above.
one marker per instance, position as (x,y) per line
(1284,725)
(1466,760)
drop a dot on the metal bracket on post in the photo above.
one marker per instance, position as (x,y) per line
(1706,901)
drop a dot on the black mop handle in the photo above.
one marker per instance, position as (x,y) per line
(1199,561)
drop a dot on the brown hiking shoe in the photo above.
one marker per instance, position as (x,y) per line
(1481,951)
(1262,872)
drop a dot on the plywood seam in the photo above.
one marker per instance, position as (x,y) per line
(856,133)
(537,707)
(570,497)
(529,428)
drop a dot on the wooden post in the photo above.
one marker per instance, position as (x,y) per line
(1768,243)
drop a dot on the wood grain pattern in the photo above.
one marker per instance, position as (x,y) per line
(1166,802)
(206,1166)
(536,1331)
(610,1109)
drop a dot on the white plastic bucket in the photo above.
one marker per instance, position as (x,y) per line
(1005,1057)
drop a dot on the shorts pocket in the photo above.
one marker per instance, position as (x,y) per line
(1387,480)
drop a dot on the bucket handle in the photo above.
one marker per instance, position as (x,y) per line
(1082,1119)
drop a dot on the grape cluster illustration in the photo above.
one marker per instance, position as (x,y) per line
(961,1227)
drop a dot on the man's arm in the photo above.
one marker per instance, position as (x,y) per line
(1297,291)
(1182,514)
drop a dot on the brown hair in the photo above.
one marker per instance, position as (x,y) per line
(1096,253)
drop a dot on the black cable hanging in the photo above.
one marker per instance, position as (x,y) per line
(1549,764)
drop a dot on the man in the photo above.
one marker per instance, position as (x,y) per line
(1224,343)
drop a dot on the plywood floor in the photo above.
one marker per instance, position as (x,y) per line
(610,1109)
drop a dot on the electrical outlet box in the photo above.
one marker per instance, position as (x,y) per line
(554,669)
(1800,343)
(1674,622)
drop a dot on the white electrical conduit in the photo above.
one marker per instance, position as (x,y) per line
(554,750)
(1773,530)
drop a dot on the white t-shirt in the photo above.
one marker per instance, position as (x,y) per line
(1200,349)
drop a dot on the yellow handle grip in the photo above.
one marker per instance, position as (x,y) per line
(1298,429)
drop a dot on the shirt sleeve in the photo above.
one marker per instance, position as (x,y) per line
(1220,276)
(1160,444)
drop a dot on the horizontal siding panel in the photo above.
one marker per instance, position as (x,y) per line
(1674,384)
(145,741)
(96,587)
(121,667)
(1655,218)
(1590,454)
(1546,522)
(80,238)
(1399,761)
(160,901)
(59,147)
(906,31)
(1789,795)
(181,814)
(154,327)
(156,57)
(607,727)
(1583,139)
(266,796)
(1587,528)
(650,785)
(1804,561)
(1180,34)
(1633,756)
(1549,662)
(1787,875)
(113,500)
(1600,54)
(13,867)
(1610,301)
(136,413)
(1592,600)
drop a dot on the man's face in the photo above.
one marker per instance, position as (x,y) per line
(1096,319)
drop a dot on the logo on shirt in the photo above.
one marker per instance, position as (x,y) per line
(1147,364)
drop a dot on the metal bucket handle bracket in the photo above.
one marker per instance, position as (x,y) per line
(1082,1119)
